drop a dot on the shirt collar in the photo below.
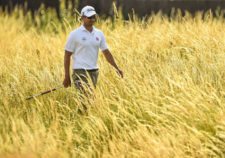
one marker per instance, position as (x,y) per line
(84,29)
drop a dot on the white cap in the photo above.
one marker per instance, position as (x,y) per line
(88,11)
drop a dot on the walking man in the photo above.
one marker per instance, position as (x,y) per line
(83,45)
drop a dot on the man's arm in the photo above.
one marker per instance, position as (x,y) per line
(67,81)
(111,60)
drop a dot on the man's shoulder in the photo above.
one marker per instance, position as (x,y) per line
(99,31)
(75,32)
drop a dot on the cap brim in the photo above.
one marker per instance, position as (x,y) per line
(91,13)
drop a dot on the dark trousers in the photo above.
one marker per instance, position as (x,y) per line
(81,78)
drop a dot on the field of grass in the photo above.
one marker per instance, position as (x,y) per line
(170,104)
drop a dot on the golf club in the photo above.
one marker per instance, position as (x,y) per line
(45,92)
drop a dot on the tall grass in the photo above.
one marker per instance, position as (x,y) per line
(171,102)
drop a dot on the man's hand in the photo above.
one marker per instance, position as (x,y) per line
(120,73)
(67,82)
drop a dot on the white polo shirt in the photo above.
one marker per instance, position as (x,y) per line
(85,47)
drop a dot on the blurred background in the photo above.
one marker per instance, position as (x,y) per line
(110,8)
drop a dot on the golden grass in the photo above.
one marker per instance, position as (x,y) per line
(171,102)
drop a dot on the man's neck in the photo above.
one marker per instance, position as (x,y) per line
(89,28)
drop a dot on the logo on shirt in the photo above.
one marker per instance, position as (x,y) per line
(97,39)
(84,39)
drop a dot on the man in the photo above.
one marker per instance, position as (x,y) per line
(83,45)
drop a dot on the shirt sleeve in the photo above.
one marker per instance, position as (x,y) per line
(103,44)
(70,44)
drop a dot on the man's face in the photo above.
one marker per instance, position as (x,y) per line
(89,20)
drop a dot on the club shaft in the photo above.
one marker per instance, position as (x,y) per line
(42,93)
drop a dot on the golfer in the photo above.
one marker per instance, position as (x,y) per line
(83,45)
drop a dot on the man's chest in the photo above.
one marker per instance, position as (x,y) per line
(88,39)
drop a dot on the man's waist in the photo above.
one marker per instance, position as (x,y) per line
(88,70)
(85,65)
